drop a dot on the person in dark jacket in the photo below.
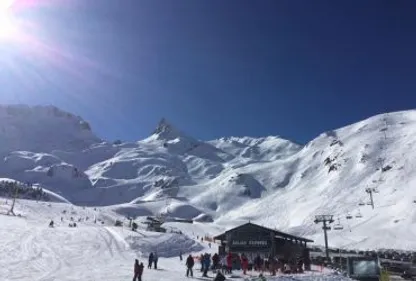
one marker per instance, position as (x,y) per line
(150,260)
(201,260)
(155,259)
(141,268)
(189,265)
(216,261)
(136,270)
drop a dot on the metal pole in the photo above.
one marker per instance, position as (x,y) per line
(340,260)
(325,220)
(326,241)
(371,199)
(14,201)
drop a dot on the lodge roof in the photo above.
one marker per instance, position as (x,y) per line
(275,232)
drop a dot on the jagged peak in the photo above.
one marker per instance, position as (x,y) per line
(165,130)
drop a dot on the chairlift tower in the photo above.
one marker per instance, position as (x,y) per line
(385,126)
(370,191)
(326,220)
(11,211)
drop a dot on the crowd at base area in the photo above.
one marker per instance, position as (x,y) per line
(225,264)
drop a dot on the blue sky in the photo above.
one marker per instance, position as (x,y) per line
(213,68)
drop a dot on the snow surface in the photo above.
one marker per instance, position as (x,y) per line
(93,251)
(271,181)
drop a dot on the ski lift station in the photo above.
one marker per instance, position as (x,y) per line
(252,240)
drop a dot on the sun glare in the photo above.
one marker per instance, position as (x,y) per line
(5,4)
(6,21)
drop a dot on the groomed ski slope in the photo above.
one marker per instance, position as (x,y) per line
(30,250)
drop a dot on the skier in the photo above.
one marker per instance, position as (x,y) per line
(207,263)
(223,264)
(201,260)
(136,270)
(215,261)
(209,245)
(257,263)
(244,264)
(229,263)
(180,255)
(51,223)
(155,259)
(150,260)
(189,265)
(141,267)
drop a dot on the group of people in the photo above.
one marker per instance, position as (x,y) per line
(274,265)
(205,260)
(224,265)
(271,264)
(153,259)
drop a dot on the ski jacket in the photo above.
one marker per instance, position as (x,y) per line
(140,269)
(244,262)
(215,259)
(229,260)
(190,262)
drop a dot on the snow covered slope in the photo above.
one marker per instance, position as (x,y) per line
(269,180)
(96,249)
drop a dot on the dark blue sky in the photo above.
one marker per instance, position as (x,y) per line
(216,68)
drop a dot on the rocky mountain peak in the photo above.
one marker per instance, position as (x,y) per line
(165,130)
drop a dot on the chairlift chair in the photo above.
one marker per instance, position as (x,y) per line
(358,215)
(361,203)
(338,226)
(348,216)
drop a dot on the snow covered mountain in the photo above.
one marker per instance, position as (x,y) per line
(42,129)
(270,180)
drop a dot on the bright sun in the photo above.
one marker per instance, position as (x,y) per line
(6,22)
(5,4)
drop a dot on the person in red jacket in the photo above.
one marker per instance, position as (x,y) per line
(244,263)
(229,263)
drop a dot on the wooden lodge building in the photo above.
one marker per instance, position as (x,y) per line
(252,240)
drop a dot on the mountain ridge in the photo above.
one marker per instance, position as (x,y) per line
(268,180)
